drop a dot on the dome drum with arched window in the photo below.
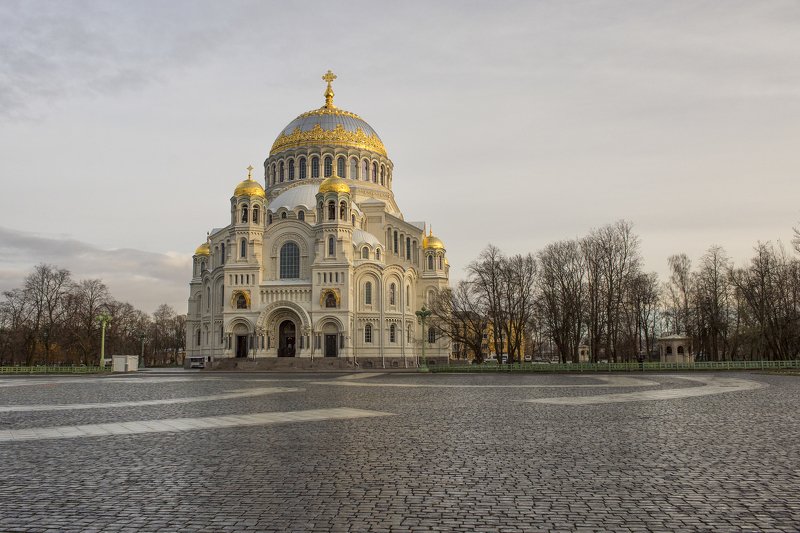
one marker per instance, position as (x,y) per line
(317,260)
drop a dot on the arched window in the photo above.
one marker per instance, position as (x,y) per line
(331,247)
(342,210)
(208,297)
(301,215)
(365,253)
(408,295)
(430,262)
(198,337)
(255,214)
(328,166)
(340,167)
(367,333)
(392,294)
(291,169)
(368,293)
(374,172)
(440,262)
(392,333)
(353,219)
(274,173)
(290,261)
(408,248)
(315,167)
(244,213)
(365,170)
(269,218)
(378,254)
(383,174)
(283,215)
(302,165)
(431,335)
(243,248)
(680,350)
(331,210)
(281,172)
(395,242)
(354,169)
(221,295)
(669,350)
(202,266)
(222,249)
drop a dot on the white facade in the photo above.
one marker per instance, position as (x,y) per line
(315,265)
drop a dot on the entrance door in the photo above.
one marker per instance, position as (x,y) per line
(330,345)
(286,339)
(241,345)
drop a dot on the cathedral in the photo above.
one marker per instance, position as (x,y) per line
(318,264)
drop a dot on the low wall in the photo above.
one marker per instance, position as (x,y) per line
(320,363)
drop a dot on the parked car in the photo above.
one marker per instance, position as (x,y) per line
(490,360)
(528,358)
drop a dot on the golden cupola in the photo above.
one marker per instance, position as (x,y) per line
(249,187)
(431,242)
(203,249)
(334,184)
(328,126)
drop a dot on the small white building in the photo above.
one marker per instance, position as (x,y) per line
(675,349)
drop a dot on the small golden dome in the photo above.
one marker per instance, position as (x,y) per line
(250,187)
(432,243)
(203,249)
(334,184)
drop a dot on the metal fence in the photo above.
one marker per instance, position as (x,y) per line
(51,369)
(619,367)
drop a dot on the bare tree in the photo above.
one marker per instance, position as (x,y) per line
(487,277)
(679,289)
(561,295)
(459,314)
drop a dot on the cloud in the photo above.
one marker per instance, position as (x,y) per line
(146,279)
(88,48)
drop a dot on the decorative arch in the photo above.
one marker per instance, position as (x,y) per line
(329,319)
(230,327)
(278,309)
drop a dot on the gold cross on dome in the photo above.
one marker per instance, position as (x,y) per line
(329,77)
(250,172)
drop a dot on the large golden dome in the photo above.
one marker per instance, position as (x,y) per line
(328,126)
(430,242)
(203,249)
(334,184)
(250,187)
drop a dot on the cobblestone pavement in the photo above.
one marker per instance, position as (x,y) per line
(461,453)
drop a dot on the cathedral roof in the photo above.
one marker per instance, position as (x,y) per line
(327,126)
(300,195)
(364,237)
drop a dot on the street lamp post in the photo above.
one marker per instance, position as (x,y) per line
(141,355)
(422,316)
(104,319)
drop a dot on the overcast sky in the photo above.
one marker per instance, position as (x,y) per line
(125,126)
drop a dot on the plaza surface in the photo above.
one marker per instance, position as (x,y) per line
(201,451)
